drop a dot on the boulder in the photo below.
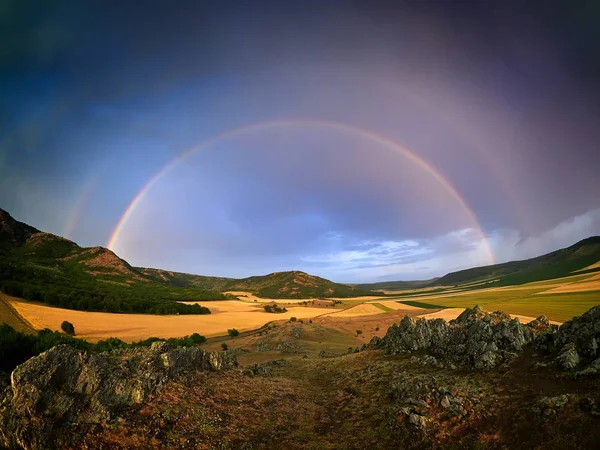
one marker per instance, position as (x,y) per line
(475,339)
(68,386)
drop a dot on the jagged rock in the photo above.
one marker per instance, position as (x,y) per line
(65,385)
(418,420)
(264,369)
(568,357)
(591,369)
(582,331)
(263,345)
(445,403)
(475,338)
(297,332)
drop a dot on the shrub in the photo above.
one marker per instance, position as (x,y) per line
(224,346)
(68,328)
(233,332)
(358,332)
(293,319)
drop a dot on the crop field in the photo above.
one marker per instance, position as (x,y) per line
(96,326)
(557,307)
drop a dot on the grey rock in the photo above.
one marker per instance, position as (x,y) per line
(445,402)
(297,332)
(568,357)
(476,339)
(417,420)
(65,385)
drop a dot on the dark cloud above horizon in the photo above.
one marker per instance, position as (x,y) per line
(500,97)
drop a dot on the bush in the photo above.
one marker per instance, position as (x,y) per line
(224,346)
(68,328)
(293,319)
(233,332)
(358,332)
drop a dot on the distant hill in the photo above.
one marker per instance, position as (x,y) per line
(559,263)
(292,284)
(295,284)
(396,285)
(43,267)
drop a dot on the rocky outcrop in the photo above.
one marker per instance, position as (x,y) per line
(68,386)
(575,345)
(475,339)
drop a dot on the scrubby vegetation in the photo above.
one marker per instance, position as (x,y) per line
(16,347)
(274,309)
(74,289)
(68,328)
(233,332)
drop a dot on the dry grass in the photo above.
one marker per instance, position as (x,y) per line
(593,266)
(370,325)
(575,287)
(96,326)
(364,309)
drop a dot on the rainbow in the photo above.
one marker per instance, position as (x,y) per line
(341,127)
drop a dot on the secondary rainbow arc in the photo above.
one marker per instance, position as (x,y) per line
(384,141)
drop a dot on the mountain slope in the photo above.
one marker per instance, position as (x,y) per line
(294,284)
(396,285)
(41,266)
(559,263)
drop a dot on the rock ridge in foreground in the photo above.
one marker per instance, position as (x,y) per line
(475,339)
(66,385)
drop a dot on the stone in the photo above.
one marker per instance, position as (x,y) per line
(568,357)
(476,338)
(445,402)
(64,384)
(417,420)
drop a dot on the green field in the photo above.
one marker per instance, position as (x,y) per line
(8,315)
(559,307)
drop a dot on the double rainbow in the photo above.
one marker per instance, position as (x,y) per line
(335,126)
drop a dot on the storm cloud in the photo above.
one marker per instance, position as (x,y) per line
(501,101)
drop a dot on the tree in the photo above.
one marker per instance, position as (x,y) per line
(358,332)
(224,346)
(293,319)
(68,328)
(233,332)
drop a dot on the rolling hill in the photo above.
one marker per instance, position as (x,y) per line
(43,267)
(397,285)
(559,263)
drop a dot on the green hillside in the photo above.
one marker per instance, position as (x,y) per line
(559,263)
(295,284)
(396,285)
(292,284)
(46,268)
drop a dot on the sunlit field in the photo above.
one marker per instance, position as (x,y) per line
(96,326)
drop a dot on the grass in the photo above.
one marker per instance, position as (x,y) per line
(559,307)
(382,307)
(9,315)
(423,305)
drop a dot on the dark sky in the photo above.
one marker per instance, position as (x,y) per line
(374,140)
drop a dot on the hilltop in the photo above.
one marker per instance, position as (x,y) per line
(44,267)
(577,258)
(289,284)
(559,263)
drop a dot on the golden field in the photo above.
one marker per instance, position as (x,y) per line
(96,326)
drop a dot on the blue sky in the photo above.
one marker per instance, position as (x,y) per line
(99,98)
